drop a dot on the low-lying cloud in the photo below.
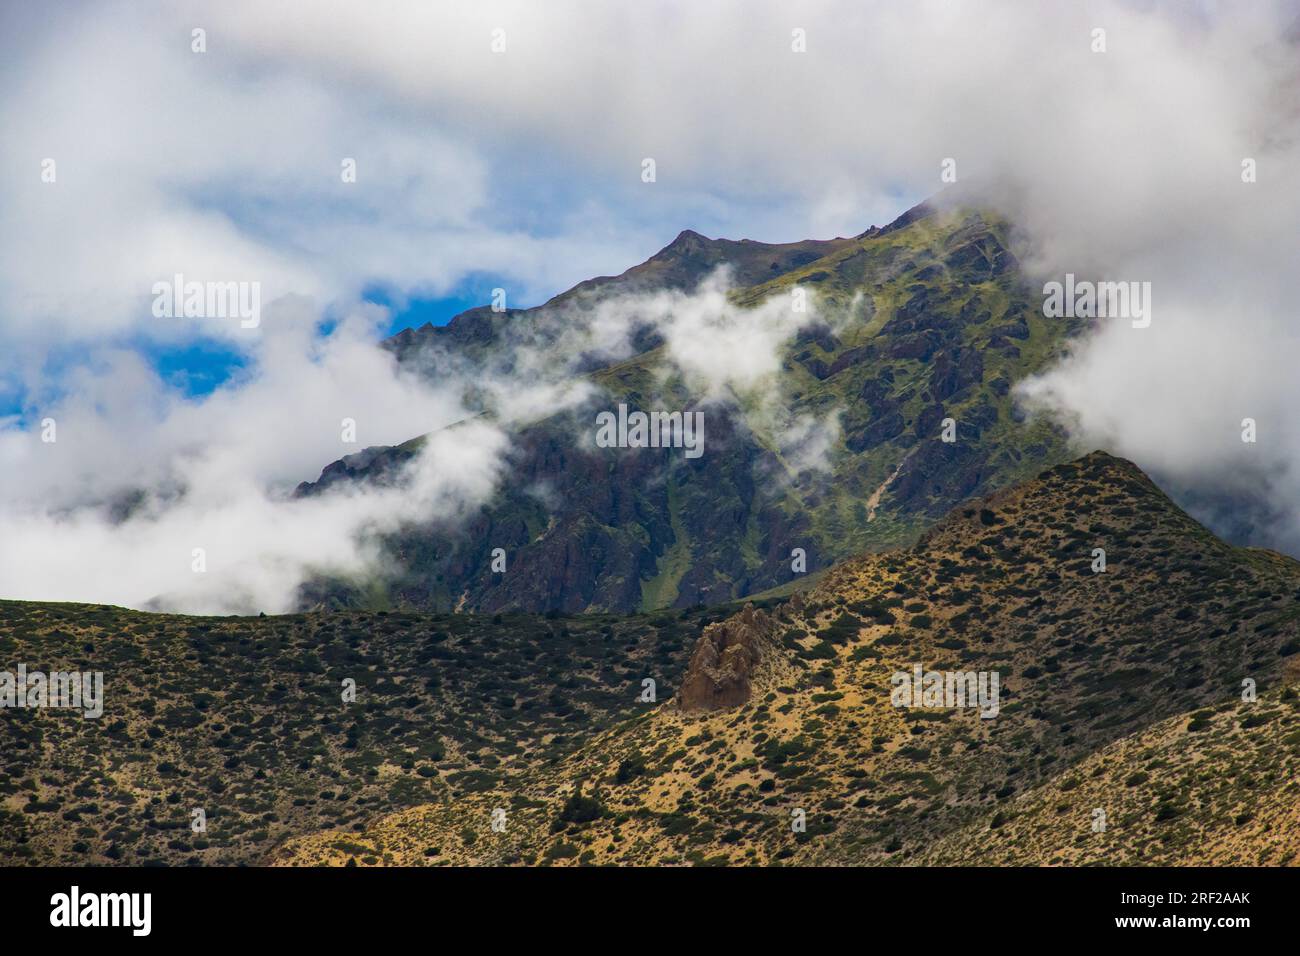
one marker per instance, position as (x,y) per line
(127,492)
(112,491)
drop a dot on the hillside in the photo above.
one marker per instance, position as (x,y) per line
(1120,689)
(922,320)
(1216,787)
(244,718)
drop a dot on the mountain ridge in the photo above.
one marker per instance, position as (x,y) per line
(931,321)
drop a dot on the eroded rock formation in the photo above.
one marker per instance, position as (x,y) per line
(724,661)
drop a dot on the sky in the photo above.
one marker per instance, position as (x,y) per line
(502,145)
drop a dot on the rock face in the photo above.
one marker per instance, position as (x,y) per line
(724,661)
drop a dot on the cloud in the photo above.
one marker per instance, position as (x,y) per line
(807,442)
(256,549)
(138,476)
(730,355)
(718,348)
(526,163)
(222,167)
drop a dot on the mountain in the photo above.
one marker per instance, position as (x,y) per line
(925,319)
(1121,690)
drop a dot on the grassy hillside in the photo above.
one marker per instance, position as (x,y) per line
(1216,787)
(244,718)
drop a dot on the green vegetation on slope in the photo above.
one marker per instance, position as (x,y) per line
(922,321)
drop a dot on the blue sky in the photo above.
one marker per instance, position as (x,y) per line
(201,364)
(414,311)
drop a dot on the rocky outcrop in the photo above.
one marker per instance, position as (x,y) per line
(724,662)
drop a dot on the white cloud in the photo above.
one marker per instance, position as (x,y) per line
(527,162)
(216,473)
(139,476)
(257,547)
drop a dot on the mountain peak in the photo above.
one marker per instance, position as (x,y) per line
(688,242)
(1112,491)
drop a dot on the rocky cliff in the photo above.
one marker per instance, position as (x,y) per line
(725,662)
